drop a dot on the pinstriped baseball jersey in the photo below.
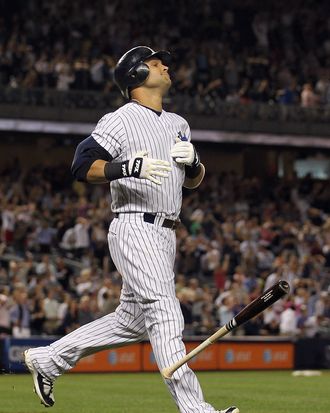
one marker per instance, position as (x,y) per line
(133,128)
(143,251)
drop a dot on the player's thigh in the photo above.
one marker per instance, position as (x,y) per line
(144,255)
(163,316)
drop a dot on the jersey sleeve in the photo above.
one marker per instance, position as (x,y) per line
(110,134)
(188,132)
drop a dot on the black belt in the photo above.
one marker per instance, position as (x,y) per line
(150,218)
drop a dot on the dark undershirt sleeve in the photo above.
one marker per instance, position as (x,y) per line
(87,152)
(192,171)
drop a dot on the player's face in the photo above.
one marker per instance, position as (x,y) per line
(158,74)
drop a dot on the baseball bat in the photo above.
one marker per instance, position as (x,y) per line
(258,305)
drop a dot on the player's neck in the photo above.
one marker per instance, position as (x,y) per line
(152,101)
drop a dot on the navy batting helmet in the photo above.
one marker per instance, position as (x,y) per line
(131,71)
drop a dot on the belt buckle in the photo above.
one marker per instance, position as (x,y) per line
(174,225)
(170,223)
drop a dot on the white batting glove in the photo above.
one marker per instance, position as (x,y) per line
(183,152)
(140,166)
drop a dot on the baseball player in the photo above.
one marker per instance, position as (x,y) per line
(146,155)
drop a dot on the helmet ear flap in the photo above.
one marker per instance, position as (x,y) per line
(137,75)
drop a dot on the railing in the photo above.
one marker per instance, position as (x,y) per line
(48,98)
(201,112)
(250,111)
(58,99)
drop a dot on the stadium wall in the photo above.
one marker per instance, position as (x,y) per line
(276,353)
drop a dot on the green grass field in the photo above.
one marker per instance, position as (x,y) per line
(252,392)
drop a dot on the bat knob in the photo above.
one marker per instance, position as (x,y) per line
(167,373)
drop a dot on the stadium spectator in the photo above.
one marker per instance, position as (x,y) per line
(81,235)
(186,308)
(220,273)
(5,327)
(63,273)
(288,321)
(51,311)
(38,316)
(308,97)
(8,224)
(85,310)
(20,314)
(46,267)
(110,301)
(207,324)
(70,321)
(289,242)
(225,304)
(84,282)
(271,58)
(44,237)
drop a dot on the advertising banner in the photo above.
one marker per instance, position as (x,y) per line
(224,355)
(148,358)
(206,360)
(120,359)
(255,356)
(13,349)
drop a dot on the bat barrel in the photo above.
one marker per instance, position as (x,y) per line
(284,286)
(264,301)
(269,297)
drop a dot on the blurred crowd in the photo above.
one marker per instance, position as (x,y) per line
(235,51)
(238,236)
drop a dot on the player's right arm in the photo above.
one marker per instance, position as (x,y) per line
(89,161)
(95,174)
(95,157)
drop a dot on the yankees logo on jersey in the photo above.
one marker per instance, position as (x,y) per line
(182,137)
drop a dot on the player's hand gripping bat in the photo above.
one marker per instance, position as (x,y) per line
(258,305)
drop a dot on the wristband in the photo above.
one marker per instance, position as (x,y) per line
(116,170)
(136,167)
(194,169)
(196,161)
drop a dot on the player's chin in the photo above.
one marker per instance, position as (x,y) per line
(166,86)
(167,81)
(167,78)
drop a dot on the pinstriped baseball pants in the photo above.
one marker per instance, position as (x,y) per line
(144,255)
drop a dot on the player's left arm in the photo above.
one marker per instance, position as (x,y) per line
(184,152)
(194,176)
